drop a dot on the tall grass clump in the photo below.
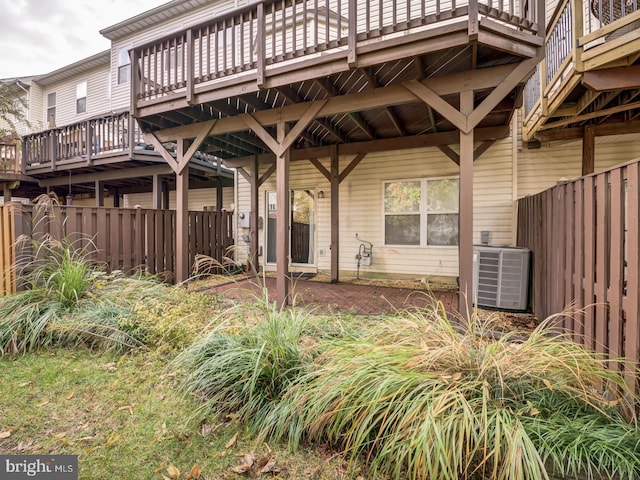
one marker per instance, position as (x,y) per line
(246,367)
(422,397)
(69,299)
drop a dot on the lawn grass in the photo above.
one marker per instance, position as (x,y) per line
(126,417)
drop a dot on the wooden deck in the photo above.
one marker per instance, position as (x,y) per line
(271,55)
(279,81)
(589,81)
(107,148)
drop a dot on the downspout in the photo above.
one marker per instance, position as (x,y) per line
(27,92)
(515,137)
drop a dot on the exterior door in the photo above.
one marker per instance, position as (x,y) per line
(302,227)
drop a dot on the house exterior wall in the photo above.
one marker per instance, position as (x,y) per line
(361,208)
(120,94)
(198,199)
(98,101)
(542,168)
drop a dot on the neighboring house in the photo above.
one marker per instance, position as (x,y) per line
(388,106)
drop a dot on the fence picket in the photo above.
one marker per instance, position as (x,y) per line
(121,239)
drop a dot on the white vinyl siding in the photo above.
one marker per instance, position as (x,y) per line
(121,93)
(543,168)
(97,101)
(361,201)
(198,199)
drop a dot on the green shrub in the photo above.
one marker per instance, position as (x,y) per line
(420,397)
(247,368)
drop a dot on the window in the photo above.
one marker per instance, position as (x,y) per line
(124,66)
(51,109)
(421,212)
(171,56)
(81,97)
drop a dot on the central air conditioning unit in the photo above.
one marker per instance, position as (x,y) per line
(501,277)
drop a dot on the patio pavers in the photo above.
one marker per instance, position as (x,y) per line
(341,297)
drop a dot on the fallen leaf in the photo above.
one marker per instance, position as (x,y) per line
(5,434)
(70,395)
(127,407)
(245,466)
(232,442)
(268,465)
(160,467)
(110,367)
(534,411)
(173,471)
(60,435)
(42,404)
(164,477)
(26,384)
(547,384)
(266,445)
(195,473)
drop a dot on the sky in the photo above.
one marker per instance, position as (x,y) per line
(40,36)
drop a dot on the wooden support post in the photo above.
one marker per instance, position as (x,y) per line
(219,195)
(253,233)
(182,217)
(99,193)
(588,150)
(335,214)
(165,196)
(116,198)
(156,193)
(6,191)
(465,250)
(282,229)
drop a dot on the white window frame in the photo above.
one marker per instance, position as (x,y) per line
(123,63)
(81,94)
(50,118)
(422,212)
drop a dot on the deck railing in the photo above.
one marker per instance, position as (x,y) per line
(577,26)
(9,160)
(272,31)
(90,139)
(584,236)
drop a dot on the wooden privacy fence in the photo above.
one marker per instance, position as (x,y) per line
(121,238)
(584,238)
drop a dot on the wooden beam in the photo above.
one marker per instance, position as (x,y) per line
(449,152)
(588,150)
(481,79)
(265,176)
(120,174)
(353,164)
(381,145)
(335,215)
(99,185)
(483,147)
(282,228)
(622,78)
(575,133)
(465,229)
(182,218)
(156,193)
(590,116)
(517,76)
(431,98)
(316,163)
(253,222)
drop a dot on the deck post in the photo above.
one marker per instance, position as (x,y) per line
(182,217)
(588,149)
(282,229)
(165,196)
(6,192)
(465,250)
(156,200)
(253,239)
(99,185)
(335,214)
